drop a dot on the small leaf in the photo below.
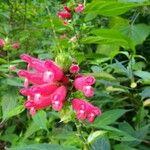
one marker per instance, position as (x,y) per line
(101,144)
(40,119)
(93,136)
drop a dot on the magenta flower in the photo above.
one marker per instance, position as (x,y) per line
(16,45)
(2,43)
(84,83)
(58,98)
(85,110)
(44,90)
(35,104)
(74,68)
(79,8)
(65,14)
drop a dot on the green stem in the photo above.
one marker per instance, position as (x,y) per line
(79,131)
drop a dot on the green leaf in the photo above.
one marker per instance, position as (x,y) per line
(123,147)
(30,130)
(97,134)
(146,92)
(110,8)
(15,111)
(110,50)
(43,147)
(143,74)
(137,33)
(15,81)
(101,144)
(40,119)
(108,36)
(108,117)
(9,103)
(103,75)
(118,135)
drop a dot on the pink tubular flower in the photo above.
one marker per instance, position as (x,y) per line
(34,63)
(64,14)
(41,103)
(2,43)
(85,110)
(58,98)
(44,90)
(79,8)
(53,67)
(74,68)
(49,68)
(34,78)
(16,45)
(84,83)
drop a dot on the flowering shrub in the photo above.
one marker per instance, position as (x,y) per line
(48,89)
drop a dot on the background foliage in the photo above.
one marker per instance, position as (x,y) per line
(110,39)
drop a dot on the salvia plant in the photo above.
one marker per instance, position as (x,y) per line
(74,74)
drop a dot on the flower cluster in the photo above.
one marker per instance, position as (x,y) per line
(67,12)
(46,84)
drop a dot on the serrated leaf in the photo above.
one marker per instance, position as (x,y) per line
(137,33)
(9,103)
(108,36)
(110,8)
(108,117)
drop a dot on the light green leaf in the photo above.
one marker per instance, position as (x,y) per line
(33,127)
(108,36)
(93,136)
(15,111)
(137,33)
(40,119)
(110,8)
(9,103)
